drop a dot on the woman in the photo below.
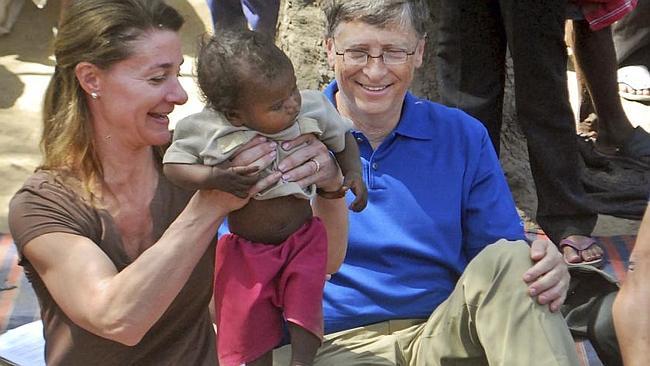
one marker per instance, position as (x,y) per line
(120,259)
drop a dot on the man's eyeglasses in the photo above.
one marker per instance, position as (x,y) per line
(359,58)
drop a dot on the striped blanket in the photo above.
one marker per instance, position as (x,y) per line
(18,304)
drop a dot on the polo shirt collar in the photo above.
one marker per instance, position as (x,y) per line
(411,122)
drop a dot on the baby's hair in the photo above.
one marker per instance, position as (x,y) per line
(228,59)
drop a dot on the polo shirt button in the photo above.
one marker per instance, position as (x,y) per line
(375,166)
(360,139)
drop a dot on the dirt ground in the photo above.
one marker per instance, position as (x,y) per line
(26,65)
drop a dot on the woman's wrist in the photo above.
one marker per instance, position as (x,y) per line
(334,183)
(332,188)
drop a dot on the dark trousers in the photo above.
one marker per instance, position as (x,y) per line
(471,67)
(632,36)
(261,14)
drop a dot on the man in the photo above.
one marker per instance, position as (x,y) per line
(437,199)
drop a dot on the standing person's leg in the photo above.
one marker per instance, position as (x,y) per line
(470,60)
(535,32)
(595,55)
(262,15)
(632,34)
(227,14)
(632,42)
(585,105)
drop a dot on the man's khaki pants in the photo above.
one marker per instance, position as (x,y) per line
(489,319)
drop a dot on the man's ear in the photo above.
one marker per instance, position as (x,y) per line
(419,51)
(331,51)
(89,77)
(234,117)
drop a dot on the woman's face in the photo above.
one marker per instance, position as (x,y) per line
(137,94)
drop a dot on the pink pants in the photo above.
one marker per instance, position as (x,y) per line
(257,285)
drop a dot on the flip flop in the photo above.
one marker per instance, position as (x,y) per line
(635,77)
(635,149)
(579,248)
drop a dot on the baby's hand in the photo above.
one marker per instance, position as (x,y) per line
(234,180)
(354,182)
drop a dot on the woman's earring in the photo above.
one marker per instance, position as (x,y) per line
(94,95)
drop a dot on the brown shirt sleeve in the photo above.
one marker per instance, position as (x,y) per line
(45,205)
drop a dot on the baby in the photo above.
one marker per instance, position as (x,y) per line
(272,265)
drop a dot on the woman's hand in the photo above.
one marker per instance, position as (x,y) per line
(310,164)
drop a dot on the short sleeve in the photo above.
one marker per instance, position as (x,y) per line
(489,212)
(190,137)
(333,126)
(44,205)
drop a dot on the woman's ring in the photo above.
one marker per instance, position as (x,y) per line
(317,165)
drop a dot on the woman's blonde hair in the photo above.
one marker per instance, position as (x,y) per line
(100,32)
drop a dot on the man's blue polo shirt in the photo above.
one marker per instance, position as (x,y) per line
(436,197)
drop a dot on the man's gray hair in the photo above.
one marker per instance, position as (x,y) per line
(379,13)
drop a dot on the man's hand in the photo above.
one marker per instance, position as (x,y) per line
(548,278)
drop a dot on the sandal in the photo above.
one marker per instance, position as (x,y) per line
(579,248)
(637,78)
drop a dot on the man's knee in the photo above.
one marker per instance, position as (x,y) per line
(498,271)
(513,256)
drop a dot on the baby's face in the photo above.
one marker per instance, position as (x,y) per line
(270,107)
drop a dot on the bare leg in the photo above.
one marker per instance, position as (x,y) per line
(585,105)
(594,52)
(630,311)
(304,345)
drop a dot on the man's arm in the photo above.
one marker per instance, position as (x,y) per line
(630,311)
(490,214)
